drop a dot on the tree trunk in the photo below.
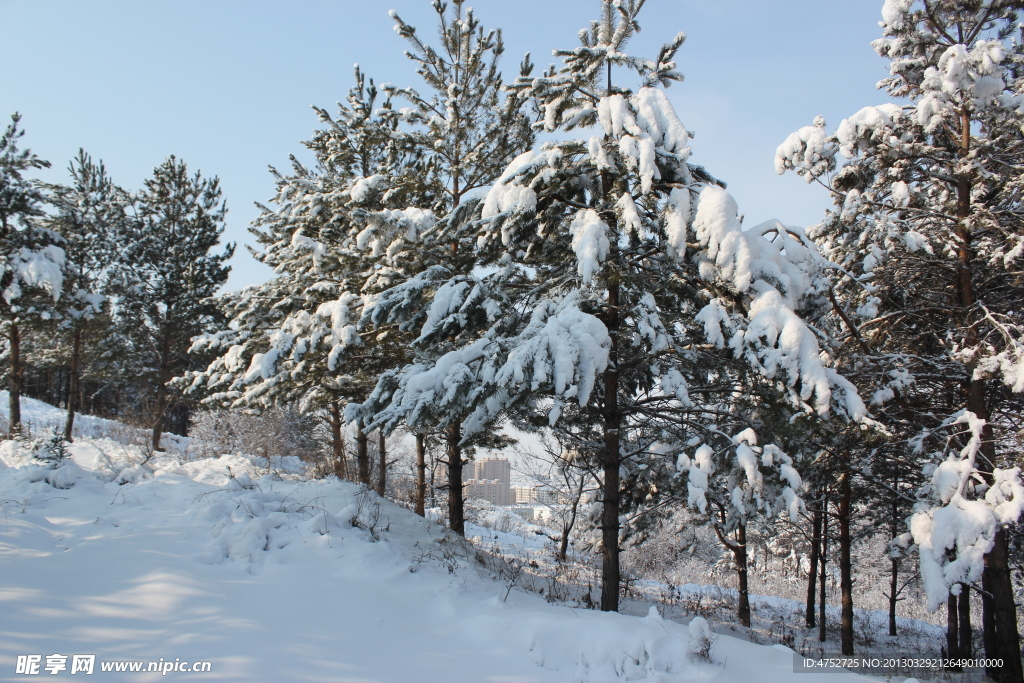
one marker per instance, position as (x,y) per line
(338,443)
(1002,639)
(894,567)
(1006,641)
(162,402)
(893,587)
(563,543)
(456,509)
(988,620)
(740,552)
(382,474)
(16,369)
(76,351)
(952,630)
(845,567)
(999,613)
(362,456)
(421,474)
(610,576)
(964,617)
(812,576)
(822,634)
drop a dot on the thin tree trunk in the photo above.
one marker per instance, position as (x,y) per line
(421,474)
(362,456)
(16,369)
(893,587)
(338,443)
(161,393)
(964,609)
(894,575)
(76,351)
(563,543)
(382,474)
(822,633)
(433,484)
(812,576)
(952,630)
(845,567)
(988,620)
(1007,640)
(740,552)
(610,576)
(456,508)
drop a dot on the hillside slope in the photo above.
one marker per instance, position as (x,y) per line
(267,579)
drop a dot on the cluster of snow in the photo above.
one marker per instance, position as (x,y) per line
(775,339)
(42,268)
(590,242)
(508,194)
(749,490)
(562,348)
(955,526)
(644,126)
(809,151)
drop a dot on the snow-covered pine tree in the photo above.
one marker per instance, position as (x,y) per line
(611,273)
(31,260)
(169,276)
(469,129)
(730,479)
(88,213)
(928,227)
(335,235)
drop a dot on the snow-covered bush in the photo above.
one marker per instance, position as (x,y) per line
(702,640)
(274,434)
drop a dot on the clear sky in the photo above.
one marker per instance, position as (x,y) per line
(227,85)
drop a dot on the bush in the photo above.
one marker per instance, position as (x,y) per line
(270,435)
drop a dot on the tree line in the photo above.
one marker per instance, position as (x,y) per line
(103,289)
(442,271)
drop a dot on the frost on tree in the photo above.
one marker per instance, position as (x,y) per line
(32,261)
(927,232)
(615,275)
(333,235)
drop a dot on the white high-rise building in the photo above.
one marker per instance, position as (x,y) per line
(491,481)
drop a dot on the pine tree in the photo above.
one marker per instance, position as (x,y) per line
(87,213)
(472,128)
(597,282)
(337,234)
(164,291)
(927,228)
(31,259)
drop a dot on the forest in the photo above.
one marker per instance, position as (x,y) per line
(481,261)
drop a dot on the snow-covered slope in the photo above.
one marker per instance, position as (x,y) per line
(267,579)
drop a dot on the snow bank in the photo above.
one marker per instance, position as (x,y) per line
(276,577)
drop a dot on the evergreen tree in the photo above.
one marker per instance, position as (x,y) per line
(337,234)
(170,276)
(928,230)
(471,129)
(597,282)
(88,214)
(364,221)
(31,260)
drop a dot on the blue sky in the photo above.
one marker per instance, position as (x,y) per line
(227,85)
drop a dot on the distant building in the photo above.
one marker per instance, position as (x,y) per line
(493,490)
(492,468)
(491,481)
(543,495)
(524,495)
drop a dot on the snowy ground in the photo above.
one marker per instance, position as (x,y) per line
(267,579)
